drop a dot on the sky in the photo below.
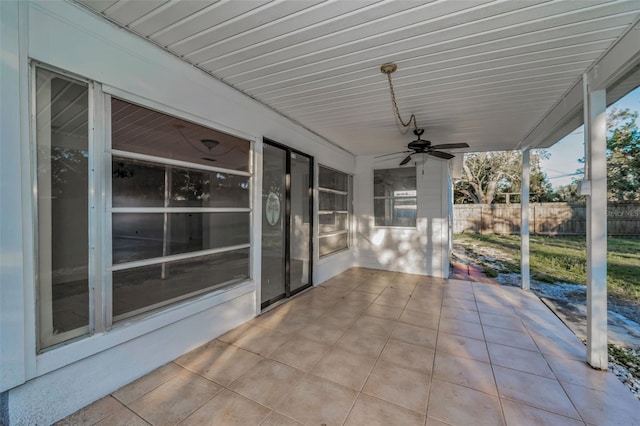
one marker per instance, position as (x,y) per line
(564,155)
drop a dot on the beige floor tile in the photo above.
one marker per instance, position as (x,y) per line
(465,372)
(458,405)
(341,322)
(345,368)
(404,284)
(228,409)
(219,361)
(321,333)
(175,400)
(397,293)
(233,335)
(315,401)
(335,291)
(518,414)
(416,335)
(261,340)
(505,310)
(460,294)
(357,305)
(580,373)
(425,306)
(300,353)
(123,417)
(459,303)
(372,411)
(420,319)
(560,347)
(465,347)
(362,343)
(136,389)
(391,300)
(409,356)
(383,311)
(372,325)
(534,390)
(93,413)
(359,296)
(502,321)
(398,385)
(371,288)
(519,359)
(598,408)
(459,314)
(277,419)
(288,323)
(433,422)
(516,339)
(461,328)
(267,382)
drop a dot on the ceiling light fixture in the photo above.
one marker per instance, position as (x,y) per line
(209,143)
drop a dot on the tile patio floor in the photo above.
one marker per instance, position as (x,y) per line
(379,348)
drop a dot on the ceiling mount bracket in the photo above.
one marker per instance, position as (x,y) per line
(388,68)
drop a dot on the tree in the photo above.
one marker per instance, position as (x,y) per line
(623,155)
(489,174)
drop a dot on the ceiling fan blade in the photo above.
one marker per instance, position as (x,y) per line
(406,160)
(393,153)
(441,154)
(451,146)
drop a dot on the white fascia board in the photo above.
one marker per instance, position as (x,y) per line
(618,60)
(566,115)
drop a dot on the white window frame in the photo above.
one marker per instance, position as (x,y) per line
(74,345)
(393,198)
(349,212)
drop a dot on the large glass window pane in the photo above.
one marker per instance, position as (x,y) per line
(395,202)
(146,288)
(333,201)
(144,131)
(333,222)
(62,194)
(332,243)
(138,236)
(142,184)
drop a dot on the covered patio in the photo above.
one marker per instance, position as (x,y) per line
(371,347)
(259,139)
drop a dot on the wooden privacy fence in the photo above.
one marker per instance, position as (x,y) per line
(544,218)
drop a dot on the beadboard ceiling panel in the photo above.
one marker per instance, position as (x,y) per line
(477,71)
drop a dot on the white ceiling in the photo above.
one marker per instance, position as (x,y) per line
(476,71)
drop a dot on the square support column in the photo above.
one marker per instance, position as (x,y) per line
(596,173)
(524,220)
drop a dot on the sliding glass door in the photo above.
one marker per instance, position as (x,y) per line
(287,205)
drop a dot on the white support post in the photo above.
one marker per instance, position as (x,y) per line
(524,221)
(596,174)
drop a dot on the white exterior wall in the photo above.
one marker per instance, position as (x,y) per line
(43,388)
(421,250)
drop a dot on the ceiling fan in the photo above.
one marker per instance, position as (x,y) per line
(421,146)
(418,146)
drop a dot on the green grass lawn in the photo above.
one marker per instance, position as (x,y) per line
(555,259)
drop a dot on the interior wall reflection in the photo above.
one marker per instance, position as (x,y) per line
(178,230)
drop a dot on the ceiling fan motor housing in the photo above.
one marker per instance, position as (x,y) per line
(419,145)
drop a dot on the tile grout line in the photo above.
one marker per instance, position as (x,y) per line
(493,373)
(435,353)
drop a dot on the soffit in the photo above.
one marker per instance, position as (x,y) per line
(476,71)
